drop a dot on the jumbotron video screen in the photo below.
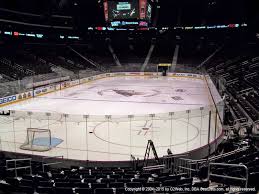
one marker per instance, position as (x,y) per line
(115,10)
(123,10)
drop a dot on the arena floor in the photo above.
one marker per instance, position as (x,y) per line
(108,138)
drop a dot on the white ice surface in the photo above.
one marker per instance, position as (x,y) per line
(104,97)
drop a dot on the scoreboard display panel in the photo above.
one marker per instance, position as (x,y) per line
(149,12)
(118,10)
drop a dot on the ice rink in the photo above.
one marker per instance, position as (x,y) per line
(123,113)
(123,96)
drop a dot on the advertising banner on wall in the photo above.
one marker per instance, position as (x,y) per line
(15,98)
(8,99)
(106,10)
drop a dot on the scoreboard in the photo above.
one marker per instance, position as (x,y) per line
(122,10)
(117,10)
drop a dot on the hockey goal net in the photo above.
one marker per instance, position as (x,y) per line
(37,140)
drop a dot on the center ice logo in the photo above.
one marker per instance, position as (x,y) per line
(128,93)
(180,90)
(177,98)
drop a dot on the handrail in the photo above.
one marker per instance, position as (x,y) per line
(191,165)
(221,155)
(186,164)
(18,168)
(98,66)
(175,155)
(156,167)
(18,159)
(50,163)
(172,161)
(226,176)
(48,157)
(228,153)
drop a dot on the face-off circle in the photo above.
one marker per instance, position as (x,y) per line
(145,129)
